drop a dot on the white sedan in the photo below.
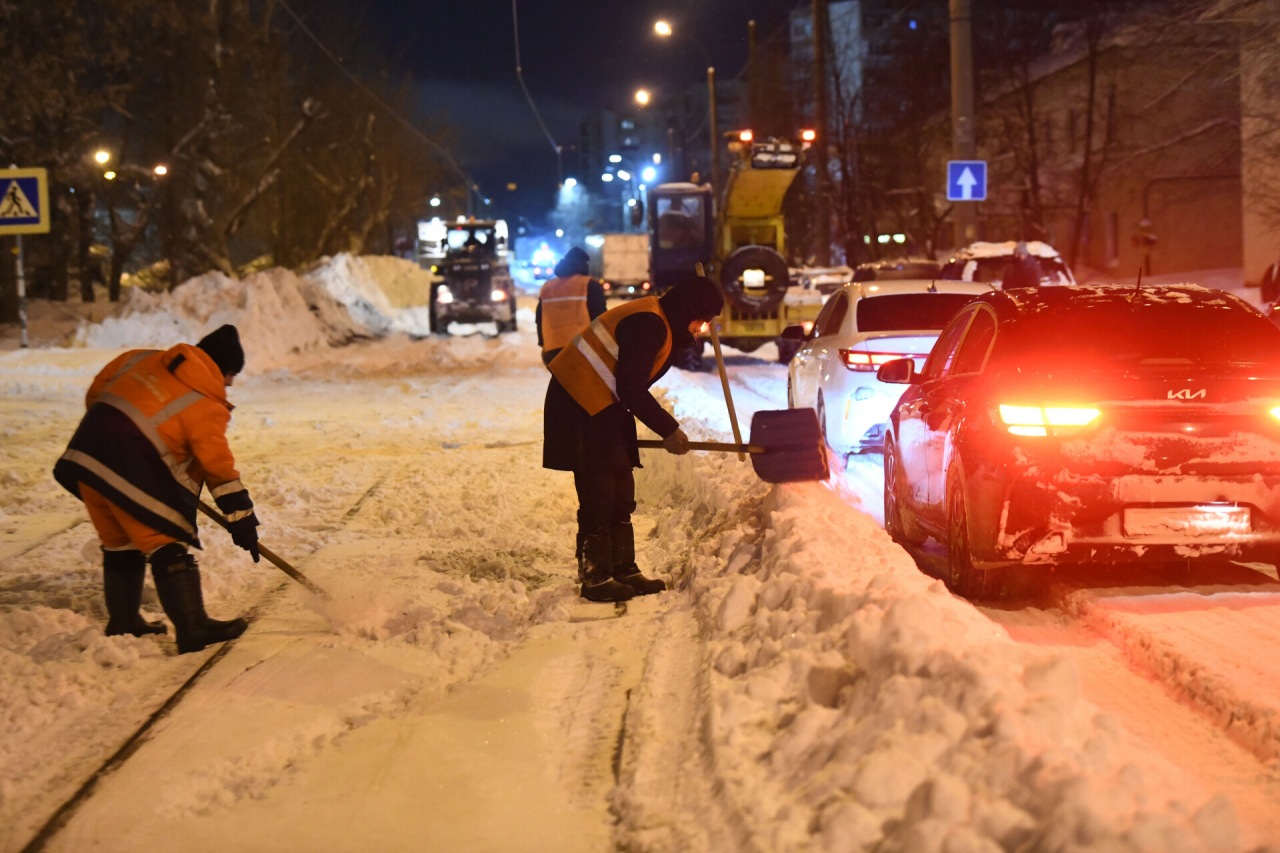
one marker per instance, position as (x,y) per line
(863,325)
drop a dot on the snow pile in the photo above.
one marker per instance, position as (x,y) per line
(382,296)
(855,704)
(278,314)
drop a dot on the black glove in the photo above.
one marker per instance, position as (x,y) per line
(244,532)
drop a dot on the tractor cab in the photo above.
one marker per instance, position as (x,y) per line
(682,230)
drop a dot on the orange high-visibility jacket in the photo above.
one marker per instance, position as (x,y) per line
(564,310)
(587,367)
(155,433)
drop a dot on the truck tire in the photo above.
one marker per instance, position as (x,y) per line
(433,322)
(688,359)
(755,301)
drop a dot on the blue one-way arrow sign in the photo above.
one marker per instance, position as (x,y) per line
(966,180)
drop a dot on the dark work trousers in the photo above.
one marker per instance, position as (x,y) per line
(605,498)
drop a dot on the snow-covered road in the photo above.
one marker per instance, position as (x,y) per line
(804,686)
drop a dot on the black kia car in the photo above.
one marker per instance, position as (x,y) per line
(1101,424)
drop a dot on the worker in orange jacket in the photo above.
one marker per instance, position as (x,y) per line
(154,435)
(567,303)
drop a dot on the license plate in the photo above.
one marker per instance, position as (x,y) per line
(1187,522)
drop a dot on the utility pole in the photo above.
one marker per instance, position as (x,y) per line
(715,134)
(963,146)
(753,80)
(821,145)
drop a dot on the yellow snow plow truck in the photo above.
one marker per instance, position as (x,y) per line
(743,243)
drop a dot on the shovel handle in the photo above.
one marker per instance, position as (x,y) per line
(717,446)
(279,562)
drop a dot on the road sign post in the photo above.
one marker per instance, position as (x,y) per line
(24,209)
(966,180)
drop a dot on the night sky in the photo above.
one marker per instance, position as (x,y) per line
(578,57)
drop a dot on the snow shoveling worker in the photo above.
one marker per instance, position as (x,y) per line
(154,435)
(567,303)
(599,387)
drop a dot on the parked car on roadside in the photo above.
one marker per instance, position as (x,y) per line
(864,325)
(898,269)
(1101,424)
(986,262)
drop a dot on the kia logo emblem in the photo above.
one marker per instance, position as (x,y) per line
(1186,394)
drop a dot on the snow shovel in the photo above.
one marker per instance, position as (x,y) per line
(280,562)
(786,446)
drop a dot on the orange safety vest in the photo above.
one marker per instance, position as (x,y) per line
(587,367)
(564,310)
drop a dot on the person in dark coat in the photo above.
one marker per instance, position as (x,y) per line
(599,388)
(573,299)
(1022,271)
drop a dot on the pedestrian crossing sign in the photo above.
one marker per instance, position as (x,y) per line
(24,201)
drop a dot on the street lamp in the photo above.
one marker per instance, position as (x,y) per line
(110,176)
(642,97)
(664,30)
(435,201)
(162,170)
(570,183)
(102,156)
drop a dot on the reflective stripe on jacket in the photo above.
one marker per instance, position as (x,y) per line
(564,310)
(154,434)
(587,367)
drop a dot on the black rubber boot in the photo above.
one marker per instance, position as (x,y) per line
(122,575)
(596,573)
(178,583)
(625,569)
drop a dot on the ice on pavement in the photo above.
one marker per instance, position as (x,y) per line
(845,700)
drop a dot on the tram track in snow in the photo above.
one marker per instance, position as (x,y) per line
(67,809)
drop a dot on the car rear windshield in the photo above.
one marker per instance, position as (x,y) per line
(904,312)
(1144,334)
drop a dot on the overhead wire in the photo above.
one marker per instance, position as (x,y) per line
(515,24)
(471,185)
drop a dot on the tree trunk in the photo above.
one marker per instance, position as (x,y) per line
(61,249)
(1086,182)
(84,241)
(8,281)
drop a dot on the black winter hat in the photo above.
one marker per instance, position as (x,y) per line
(693,298)
(223,346)
(574,262)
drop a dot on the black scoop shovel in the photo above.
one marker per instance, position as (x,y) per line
(786,446)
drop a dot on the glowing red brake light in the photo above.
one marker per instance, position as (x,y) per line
(1037,421)
(866,362)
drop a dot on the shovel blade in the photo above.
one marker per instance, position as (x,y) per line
(794,449)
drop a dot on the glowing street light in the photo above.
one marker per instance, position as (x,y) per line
(570,183)
(615,158)
(626,176)
(649,173)
(662,28)
(102,156)
(435,201)
(559,232)
(606,177)
(642,97)
(162,170)
(110,176)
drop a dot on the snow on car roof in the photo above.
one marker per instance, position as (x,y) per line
(1001,250)
(919,285)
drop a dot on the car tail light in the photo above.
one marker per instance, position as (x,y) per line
(867,362)
(1039,420)
(645,286)
(808,326)
(498,295)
